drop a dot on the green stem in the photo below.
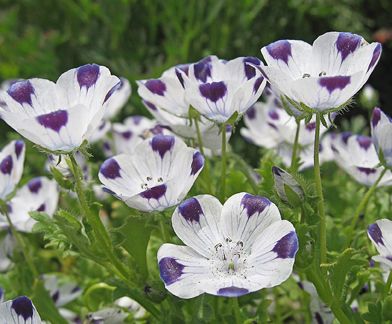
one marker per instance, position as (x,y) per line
(223,169)
(294,164)
(246,170)
(201,148)
(319,191)
(199,138)
(236,309)
(387,286)
(21,242)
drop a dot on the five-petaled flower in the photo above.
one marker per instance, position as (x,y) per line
(381,125)
(381,235)
(324,76)
(156,176)
(232,250)
(59,116)
(218,88)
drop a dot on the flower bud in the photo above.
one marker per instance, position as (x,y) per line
(368,97)
(287,188)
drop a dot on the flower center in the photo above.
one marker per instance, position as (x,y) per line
(307,75)
(229,258)
(151,182)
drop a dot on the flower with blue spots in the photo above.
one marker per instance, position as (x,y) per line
(381,126)
(218,88)
(158,175)
(323,76)
(380,233)
(19,311)
(231,250)
(59,116)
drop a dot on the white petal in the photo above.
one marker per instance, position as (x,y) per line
(18,311)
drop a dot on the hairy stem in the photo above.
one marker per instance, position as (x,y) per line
(223,169)
(294,164)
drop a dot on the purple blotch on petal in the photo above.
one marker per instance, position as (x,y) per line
(191,210)
(156,86)
(251,112)
(318,318)
(376,116)
(6,165)
(34,185)
(54,120)
(232,291)
(254,204)
(345,136)
(202,69)
(257,84)
(115,88)
(273,114)
(197,162)
(376,55)
(310,126)
(213,91)
(21,91)
(23,307)
(184,68)
(137,119)
(126,135)
(287,246)
(367,171)
(375,233)
(110,169)
(154,192)
(334,82)
(280,50)
(41,208)
(150,105)
(170,270)
(19,145)
(162,144)
(249,69)
(364,141)
(55,296)
(87,75)
(347,43)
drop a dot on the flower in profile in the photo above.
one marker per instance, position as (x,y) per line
(231,250)
(156,176)
(19,310)
(58,116)
(323,76)
(11,167)
(286,186)
(357,155)
(116,98)
(218,88)
(381,125)
(380,234)
(39,194)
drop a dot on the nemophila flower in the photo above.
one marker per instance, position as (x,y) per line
(59,162)
(357,155)
(323,76)
(268,125)
(380,234)
(19,311)
(381,125)
(110,315)
(58,116)
(100,132)
(116,98)
(232,250)
(11,167)
(218,88)
(134,130)
(39,194)
(132,306)
(156,176)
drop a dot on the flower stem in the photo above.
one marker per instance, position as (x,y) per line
(201,148)
(294,164)
(199,138)
(236,309)
(223,157)
(319,191)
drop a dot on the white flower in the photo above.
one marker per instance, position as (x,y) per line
(58,116)
(156,176)
(19,311)
(357,155)
(39,194)
(62,292)
(100,132)
(218,89)
(380,234)
(132,306)
(116,98)
(134,130)
(234,249)
(381,125)
(107,316)
(325,75)
(11,167)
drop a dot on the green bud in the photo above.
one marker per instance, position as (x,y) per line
(287,188)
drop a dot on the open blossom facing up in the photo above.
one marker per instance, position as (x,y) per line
(381,235)
(117,97)
(59,116)
(381,125)
(39,194)
(156,176)
(325,75)
(19,311)
(218,88)
(234,249)
(357,155)
(11,167)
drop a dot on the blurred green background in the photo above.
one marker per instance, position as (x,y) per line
(140,39)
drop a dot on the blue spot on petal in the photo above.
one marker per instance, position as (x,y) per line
(110,169)
(21,91)
(375,233)
(191,210)
(23,307)
(170,270)
(254,204)
(232,291)
(54,120)
(287,246)
(87,75)
(6,165)
(197,162)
